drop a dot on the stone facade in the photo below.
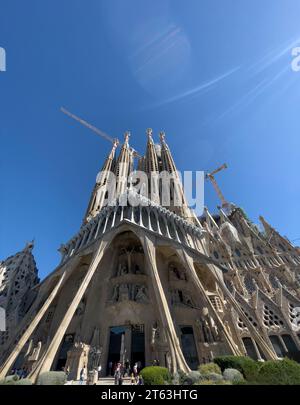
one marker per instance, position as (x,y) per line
(144,282)
(18,289)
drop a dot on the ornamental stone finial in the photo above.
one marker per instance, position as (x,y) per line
(126,136)
(149,132)
(116,143)
(162,135)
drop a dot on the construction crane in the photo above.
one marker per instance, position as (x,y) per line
(114,141)
(211,177)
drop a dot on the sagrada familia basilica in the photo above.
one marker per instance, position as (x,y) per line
(145,282)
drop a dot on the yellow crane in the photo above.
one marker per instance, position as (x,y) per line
(210,176)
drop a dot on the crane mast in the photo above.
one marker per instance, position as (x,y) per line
(114,141)
(211,177)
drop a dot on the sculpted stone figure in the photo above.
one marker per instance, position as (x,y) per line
(154,334)
(176,273)
(81,307)
(208,329)
(123,269)
(123,292)
(115,295)
(141,295)
(187,301)
(214,329)
(137,269)
(36,352)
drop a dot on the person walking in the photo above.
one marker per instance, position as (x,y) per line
(135,370)
(132,379)
(140,380)
(83,375)
(110,368)
(99,371)
(127,368)
(117,374)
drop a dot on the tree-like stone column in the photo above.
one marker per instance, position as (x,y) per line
(188,264)
(50,353)
(19,346)
(177,357)
(268,352)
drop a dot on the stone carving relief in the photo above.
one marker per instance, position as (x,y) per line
(130,292)
(178,297)
(127,264)
(141,294)
(81,307)
(208,329)
(176,273)
(158,336)
(123,269)
(35,352)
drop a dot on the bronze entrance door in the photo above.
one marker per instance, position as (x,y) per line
(126,345)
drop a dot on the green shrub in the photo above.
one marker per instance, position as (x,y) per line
(191,378)
(231,374)
(10,380)
(156,375)
(24,381)
(248,367)
(240,382)
(209,368)
(279,372)
(211,382)
(213,377)
(178,377)
(52,378)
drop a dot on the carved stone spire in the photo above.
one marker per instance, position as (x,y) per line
(176,190)
(151,163)
(124,165)
(97,199)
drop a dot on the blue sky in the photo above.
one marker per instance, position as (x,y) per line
(214,75)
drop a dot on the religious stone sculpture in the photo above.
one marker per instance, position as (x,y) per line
(115,295)
(141,295)
(81,307)
(154,334)
(123,292)
(123,269)
(207,328)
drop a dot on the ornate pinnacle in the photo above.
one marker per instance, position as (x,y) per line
(149,132)
(162,135)
(126,136)
(116,143)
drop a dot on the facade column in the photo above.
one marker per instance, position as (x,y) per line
(269,353)
(19,346)
(256,350)
(47,359)
(177,357)
(188,263)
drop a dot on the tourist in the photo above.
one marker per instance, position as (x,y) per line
(24,373)
(67,371)
(117,374)
(99,371)
(132,379)
(127,368)
(135,370)
(121,379)
(83,375)
(140,380)
(110,368)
